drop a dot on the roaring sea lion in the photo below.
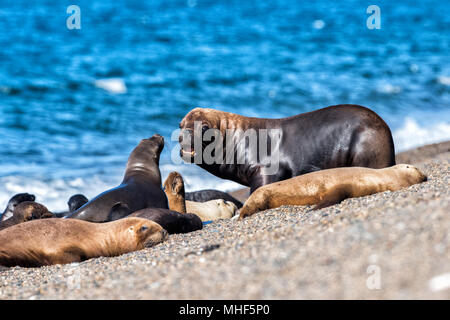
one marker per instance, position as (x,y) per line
(58,241)
(26,211)
(327,187)
(336,136)
(206,211)
(210,194)
(140,188)
(13,202)
(172,221)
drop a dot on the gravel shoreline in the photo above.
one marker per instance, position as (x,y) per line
(392,245)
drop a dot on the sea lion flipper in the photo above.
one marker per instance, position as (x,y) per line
(333,197)
(119,211)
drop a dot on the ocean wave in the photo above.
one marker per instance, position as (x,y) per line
(113,85)
(411,134)
(444,80)
(53,193)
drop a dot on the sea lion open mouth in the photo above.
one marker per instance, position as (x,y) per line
(187,153)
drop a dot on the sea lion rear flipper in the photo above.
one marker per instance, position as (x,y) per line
(119,211)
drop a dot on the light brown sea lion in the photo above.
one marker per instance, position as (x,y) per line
(327,187)
(26,211)
(57,241)
(332,137)
(207,211)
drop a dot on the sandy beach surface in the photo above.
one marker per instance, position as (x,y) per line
(390,245)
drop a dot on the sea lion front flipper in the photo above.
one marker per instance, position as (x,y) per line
(119,211)
(333,197)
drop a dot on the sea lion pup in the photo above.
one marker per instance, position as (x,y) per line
(206,211)
(13,202)
(75,202)
(327,187)
(256,151)
(210,194)
(172,221)
(140,188)
(212,210)
(174,188)
(58,241)
(26,211)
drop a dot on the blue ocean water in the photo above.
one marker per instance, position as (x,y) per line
(74,103)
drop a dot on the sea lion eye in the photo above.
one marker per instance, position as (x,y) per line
(143,228)
(204,129)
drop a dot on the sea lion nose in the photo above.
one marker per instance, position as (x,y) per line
(165,234)
(158,137)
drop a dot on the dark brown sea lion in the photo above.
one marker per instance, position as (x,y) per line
(75,202)
(140,188)
(58,241)
(26,211)
(172,221)
(13,202)
(327,187)
(336,136)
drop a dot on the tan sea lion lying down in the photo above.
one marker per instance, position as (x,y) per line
(57,241)
(26,211)
(207,211)
(327,187)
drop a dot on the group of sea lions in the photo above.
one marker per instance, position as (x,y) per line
(325,156)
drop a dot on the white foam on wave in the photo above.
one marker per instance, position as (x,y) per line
(318,24)
(389,89)
(444,80)
(195,178)
(113,85)
(54,194)
(411,134)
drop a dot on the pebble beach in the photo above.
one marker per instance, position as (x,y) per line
(391,245)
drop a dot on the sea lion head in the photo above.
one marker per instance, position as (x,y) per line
(145,157)
(410,173)
(227,206)
(195,124)
(146,233)
(174,184)
(76,201)
(30,210)
(14,201)
(174,189)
